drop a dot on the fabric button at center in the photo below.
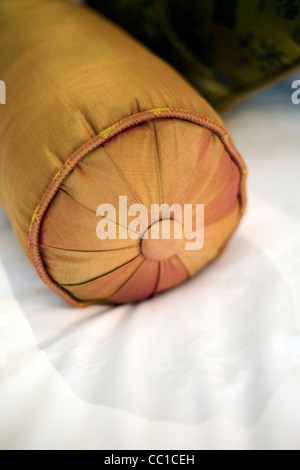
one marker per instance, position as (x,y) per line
(159,242)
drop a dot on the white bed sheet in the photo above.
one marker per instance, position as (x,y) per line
(212,364)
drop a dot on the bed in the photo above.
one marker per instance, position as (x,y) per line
(212,364)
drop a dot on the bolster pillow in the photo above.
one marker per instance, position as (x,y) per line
(92,121)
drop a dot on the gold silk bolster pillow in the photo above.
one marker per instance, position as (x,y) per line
(103,149)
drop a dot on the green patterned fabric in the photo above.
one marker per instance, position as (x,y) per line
(225,48)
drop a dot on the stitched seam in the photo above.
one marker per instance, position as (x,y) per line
(127,280)
(157,160)
(157,280)
(97,278)
(124,179)
(90,210)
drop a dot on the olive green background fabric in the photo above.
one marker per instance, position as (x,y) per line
(225,48)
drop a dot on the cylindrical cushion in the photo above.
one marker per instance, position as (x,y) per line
(92,115)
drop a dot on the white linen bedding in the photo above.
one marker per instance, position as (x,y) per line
(212,364)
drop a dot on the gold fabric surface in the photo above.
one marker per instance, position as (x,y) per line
(72,79)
